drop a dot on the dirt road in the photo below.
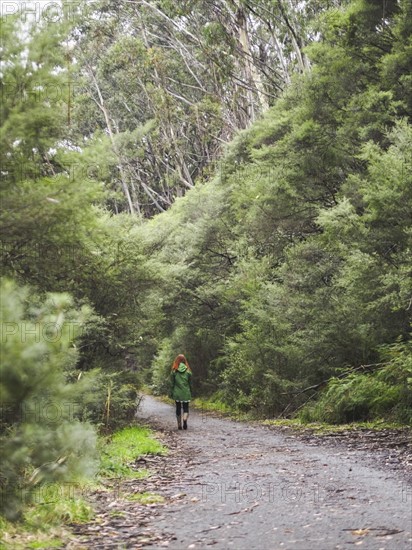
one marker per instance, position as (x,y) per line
(245,486)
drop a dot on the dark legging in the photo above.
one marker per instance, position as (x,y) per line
(179,407)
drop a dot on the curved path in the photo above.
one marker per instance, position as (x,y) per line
(248,487)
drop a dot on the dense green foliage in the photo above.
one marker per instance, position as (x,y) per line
(41,440)
(385,393)
(56,234)
(280,267)
(65,349)
(56,507)
(295,261)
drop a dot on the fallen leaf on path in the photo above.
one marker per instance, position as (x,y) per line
(361,532)
(179,495)
(212,528)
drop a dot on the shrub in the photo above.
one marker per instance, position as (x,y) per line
(110,399)
(40,440)
(384,393)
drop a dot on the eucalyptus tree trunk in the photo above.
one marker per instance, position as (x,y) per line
(102,106)
(286,10)
(251,71)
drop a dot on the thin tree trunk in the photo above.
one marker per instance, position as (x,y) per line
(102,107)
(252,73)
(296,40)
(280,55)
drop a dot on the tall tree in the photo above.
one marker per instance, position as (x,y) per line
(173,83)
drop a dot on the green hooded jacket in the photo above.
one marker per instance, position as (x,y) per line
(181,379)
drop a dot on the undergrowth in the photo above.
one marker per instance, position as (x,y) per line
(121,449)
(45,521)
(385,393)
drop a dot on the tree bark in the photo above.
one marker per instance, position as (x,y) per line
(102,107)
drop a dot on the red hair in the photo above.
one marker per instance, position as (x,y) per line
(180,359)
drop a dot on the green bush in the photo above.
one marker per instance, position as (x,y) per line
(250,388)
(160,371)
(111,398)
(41,441)
(384,393)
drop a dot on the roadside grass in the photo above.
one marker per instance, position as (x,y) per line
(322,428)
(45,522)
(125,446)
(215,405)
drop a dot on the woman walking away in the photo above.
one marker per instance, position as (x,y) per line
(181,391)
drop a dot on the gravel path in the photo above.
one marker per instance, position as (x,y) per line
(228,484)
(245,486)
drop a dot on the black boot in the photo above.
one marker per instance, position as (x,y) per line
(185,416)
(179,422)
